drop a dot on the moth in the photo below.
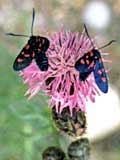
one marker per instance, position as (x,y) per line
(35,49)
(92,62)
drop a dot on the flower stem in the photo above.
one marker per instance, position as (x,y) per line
(28,143)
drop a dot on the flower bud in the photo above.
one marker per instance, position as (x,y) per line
(79,149)
(53,153)
(74,125)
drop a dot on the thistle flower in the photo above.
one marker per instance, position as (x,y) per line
(61,81)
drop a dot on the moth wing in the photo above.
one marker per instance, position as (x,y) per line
(85,63)
(44,43)
(24,58)
(83,66)
(42,61)
(100,76)
(83,76)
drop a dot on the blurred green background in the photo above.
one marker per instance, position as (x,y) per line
(26,127)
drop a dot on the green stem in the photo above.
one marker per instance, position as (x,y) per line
(28,143)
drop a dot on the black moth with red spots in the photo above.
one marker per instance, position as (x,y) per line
(92,62)
(34,49)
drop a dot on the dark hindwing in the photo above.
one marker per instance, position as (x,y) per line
(100,75)
(24,59)
(42,61)
(83,76)
(40,46)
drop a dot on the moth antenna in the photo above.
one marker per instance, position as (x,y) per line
(33,18)
(109,43)
(20,35)
(85,27)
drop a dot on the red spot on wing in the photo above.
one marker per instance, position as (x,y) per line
(26,55)
(40,45)
(91,54)
(19,60)
(99,72)
(87,61)
(104,79)
(82,61)
(27,46)
(22,53)
(43,41)
(39,49)
(33,54)
(92,64)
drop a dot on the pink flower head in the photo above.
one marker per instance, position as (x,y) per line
(61,81)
